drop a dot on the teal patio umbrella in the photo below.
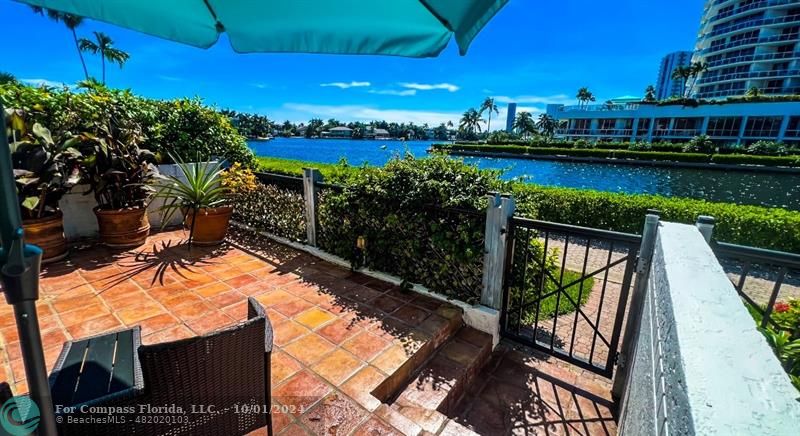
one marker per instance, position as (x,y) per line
(411,28)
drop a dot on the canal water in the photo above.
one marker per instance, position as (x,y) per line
(774,190)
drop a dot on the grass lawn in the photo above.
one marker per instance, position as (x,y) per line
(295,167)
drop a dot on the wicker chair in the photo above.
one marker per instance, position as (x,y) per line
(220,380)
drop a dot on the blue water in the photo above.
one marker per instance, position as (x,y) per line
(778,190)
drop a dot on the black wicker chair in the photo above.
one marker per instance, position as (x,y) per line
(216,384)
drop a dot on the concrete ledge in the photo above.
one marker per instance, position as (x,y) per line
(701,366)
(476,316)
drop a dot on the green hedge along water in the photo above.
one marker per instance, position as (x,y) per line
(775,190)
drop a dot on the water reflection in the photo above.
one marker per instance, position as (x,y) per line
(778,190)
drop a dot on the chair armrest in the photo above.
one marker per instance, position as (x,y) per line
(255,310)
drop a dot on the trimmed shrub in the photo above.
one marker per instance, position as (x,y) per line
(746,159)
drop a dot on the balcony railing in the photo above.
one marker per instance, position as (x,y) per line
(793,133)
(748,75)
(595,132)
(761,22)
(682,133)
(739,92)
(754,58)
(600,107)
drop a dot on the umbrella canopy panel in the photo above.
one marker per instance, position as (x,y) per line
(413,28)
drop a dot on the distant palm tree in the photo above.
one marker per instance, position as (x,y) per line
(449,124)
(547,125)
(104,46)
(7,78)
(71,22)
(471,121)
(584,96)
(488,105)
(524,124)
(650,93)
(682,73)
(695,70)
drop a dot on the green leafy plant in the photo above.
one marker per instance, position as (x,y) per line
(199,187)
(767,148)
(43,169)
(699,144)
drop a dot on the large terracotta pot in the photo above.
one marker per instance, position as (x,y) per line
(124,228)
(211,226)
(48,234)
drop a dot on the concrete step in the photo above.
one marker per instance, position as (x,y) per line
(437,387)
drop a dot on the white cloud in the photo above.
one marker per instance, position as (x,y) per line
(260,85)
(367,113)
(535,99)
(403,93)
(43,82)
(345,85)
(430,87)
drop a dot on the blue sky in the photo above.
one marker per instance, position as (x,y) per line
(534,52)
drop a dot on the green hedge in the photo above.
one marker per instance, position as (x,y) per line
(735,159)
(183,126)
(773,228)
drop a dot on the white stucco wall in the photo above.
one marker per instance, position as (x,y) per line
(79,218)
(700,365)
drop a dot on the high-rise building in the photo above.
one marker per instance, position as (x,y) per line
(666,86)
(511,116)
(748,44)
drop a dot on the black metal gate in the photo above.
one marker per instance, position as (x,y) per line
(566,290)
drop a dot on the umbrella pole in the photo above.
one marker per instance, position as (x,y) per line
(19,272)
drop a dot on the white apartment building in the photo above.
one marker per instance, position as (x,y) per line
(746,44)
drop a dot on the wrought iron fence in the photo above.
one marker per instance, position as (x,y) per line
(566,290)
(763,278)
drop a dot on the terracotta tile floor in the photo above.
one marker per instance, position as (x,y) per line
(335,331)
(339,336)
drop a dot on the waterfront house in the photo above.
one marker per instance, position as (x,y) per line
(376,134)
(338,132)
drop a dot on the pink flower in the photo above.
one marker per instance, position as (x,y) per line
(781,307)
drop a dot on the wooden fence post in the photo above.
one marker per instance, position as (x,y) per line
(310,178)
(498,214)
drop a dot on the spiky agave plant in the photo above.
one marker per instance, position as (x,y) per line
(199,188)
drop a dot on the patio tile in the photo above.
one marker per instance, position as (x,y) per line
(212,289)
(287,331)
(313,318)
(309,349)
(127,301)
(386,303)
(337,366)
(295,430)
(146,309)
(180,331)
(94,326)
(365,345)
(283,366)
(360,386)
(338,331)
(411,315)
(391,360)
(375,427)
(274,297)
(301,391)
(292,307)
(83,314)
(226,299)
(334,415)
(191,311)
(214,320)
(241,281)
(158,323)
(179,298)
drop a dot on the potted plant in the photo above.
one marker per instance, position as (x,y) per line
(121,177)
(44,171)
(198,192)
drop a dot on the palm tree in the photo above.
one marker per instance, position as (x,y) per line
(584,96)
(650,93)
(471,121)
(682,73)
(695,70)
(488,105)
(7,78)
(524,124)
(71,22)
(105,46)
(547,125)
